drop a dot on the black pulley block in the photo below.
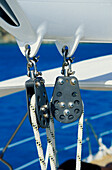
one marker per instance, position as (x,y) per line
(66,104)
(37,87)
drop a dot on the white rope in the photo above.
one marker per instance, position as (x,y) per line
(36,133)
(47,156)
(51,151)
(52,131)
(51,143)
(79,141)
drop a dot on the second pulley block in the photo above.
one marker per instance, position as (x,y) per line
(66,104)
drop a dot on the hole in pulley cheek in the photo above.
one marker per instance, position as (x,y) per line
(59,94)
(56,102)
(76,111)
(74,94)
(76,102)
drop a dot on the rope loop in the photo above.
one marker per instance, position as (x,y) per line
(50,138)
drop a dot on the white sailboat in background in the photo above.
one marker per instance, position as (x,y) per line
(64,22)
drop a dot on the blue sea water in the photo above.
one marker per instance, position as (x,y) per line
(13,107)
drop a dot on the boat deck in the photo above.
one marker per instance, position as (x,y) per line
(103,161)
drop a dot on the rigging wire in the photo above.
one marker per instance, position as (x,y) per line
(88,138)
(6,163)
(10,140)
(92,129)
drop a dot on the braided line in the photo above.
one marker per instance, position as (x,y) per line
(51,146)
(52,133)
(36,133)
(50,138)
(79,142)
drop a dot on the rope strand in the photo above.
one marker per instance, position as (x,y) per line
(79,142)
(50,139)
(36,133)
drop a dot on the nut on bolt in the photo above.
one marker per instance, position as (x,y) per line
(66,112)
(73,81)
(70,105)
(45,115)
(62,104)
(61,81)
(44,107)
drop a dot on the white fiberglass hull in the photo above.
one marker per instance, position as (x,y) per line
(63,17)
